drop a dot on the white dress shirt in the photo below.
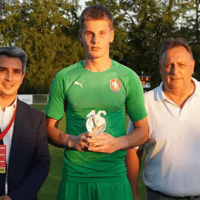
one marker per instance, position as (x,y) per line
(5,118)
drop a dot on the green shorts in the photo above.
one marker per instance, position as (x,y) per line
(106,189)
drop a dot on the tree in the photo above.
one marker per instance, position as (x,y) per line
(41,28)
(2,10)
(193,36)
(149,23)
(48,31)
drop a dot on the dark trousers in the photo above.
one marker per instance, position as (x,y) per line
(155,195)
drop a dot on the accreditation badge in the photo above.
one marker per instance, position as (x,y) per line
(95,123)
(2,159)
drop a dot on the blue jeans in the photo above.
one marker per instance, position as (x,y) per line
(154,195)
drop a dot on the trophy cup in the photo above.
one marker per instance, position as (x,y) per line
(95,123)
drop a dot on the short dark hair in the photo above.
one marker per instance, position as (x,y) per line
(15,52)
(95,12)
(171,43)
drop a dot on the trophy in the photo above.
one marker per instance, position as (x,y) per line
(95,123)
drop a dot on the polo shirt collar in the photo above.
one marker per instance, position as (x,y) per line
(197,87)
(161,95)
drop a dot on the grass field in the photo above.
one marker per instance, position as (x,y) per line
(49,189)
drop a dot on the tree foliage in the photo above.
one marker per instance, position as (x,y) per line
(149,23)
(40,27)
(48,31)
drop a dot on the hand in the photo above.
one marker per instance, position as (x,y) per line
(136,198)
(78,142)
(5,197)
(104,142)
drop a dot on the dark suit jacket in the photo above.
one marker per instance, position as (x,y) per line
(29,155)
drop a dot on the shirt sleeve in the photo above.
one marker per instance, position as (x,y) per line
(135,99)
(55,105)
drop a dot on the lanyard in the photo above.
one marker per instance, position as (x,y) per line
(5,131)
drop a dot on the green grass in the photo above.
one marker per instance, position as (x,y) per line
(49,189)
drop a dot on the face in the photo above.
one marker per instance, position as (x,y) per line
(176,69)
(11,76)
(96,37)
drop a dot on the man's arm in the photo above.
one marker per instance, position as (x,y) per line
(109,144)
(63,140)
(133,161)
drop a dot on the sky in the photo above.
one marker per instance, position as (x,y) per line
(82,3)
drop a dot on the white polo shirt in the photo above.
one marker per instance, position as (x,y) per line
(172,161)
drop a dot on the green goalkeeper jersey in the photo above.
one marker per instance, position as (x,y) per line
(77,91)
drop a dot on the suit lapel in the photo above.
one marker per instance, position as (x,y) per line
(17,133)
(14,146)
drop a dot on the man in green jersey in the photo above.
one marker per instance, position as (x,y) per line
(94,166)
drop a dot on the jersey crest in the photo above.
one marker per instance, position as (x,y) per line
(115,85)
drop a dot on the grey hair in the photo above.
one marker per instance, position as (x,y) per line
(15,52)
(171,43)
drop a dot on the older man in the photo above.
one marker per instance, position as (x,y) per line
(24,151)
(172,164)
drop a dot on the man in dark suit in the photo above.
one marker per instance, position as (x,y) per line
(22,133)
